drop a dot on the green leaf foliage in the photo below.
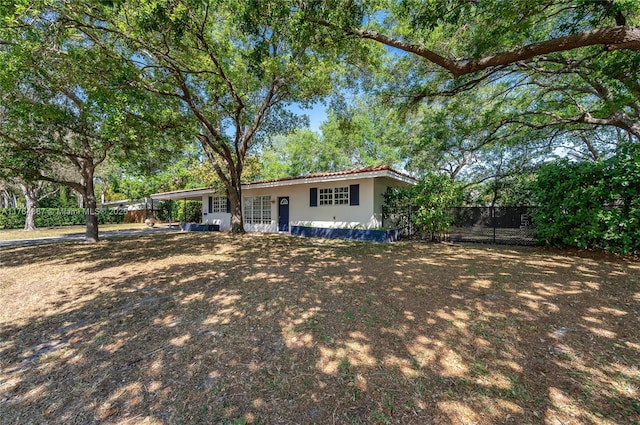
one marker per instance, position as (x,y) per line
(67,103)
(426,206)
(299,153)
(363,134)
(559,100)
(190,211)
(591,205)
(14,218)
(230,68)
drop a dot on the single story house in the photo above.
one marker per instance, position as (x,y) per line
(343,199)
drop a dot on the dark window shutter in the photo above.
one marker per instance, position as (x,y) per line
(313,197)
(354,194)
(228,205)
(210,204)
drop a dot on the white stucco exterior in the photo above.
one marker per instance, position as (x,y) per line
(369,186)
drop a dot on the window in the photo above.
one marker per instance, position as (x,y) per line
(341,196)
(346,195)
(217,204)
(326,196)
(334,196)
(257,210)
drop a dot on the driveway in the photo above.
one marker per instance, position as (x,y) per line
(80,237)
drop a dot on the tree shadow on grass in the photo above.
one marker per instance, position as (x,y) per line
(266,329)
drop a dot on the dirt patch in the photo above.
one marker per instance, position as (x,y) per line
(208,328)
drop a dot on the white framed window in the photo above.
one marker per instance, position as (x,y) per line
(257,210)
(334,196)
(344,195)
(218,204)
(341,195)
(326,196)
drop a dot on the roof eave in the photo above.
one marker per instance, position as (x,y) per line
(193,194)
(338,177)
(196,194)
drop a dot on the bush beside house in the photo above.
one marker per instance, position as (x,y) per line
(424,207)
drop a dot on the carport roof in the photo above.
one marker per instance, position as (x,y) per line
(188,194)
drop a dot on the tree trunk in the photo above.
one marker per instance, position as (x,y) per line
(235,201)
(232,181)
(234,192)
(89,200)
(30,221)
(31,199)
(5,198)
(635,130)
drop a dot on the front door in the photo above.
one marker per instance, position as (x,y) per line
(283,214)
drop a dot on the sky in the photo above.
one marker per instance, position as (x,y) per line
(317,114)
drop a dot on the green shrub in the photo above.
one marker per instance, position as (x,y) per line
(426,205)
(189,212)
(65,198)
(590,205)
(14,218)
(176,211)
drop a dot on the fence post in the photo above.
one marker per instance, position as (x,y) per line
(493,215)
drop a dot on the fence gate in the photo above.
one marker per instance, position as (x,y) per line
(498,225)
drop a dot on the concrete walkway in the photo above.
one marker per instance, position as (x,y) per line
(80,237)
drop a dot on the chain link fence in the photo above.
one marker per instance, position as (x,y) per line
(497,225)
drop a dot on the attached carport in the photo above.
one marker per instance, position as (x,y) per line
(181,195)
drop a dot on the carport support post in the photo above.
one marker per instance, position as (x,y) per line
(184,210)
(170,210)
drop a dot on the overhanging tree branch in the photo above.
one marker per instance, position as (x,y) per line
(612,38)
(616,120)
(258,119)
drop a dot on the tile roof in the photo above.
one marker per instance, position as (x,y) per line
(363,170)
(335,173)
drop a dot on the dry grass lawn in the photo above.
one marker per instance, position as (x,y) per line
(207,328)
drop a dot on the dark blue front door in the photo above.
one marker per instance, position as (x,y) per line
(283,214)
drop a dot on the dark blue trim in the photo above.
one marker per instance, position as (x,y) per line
(228,206)
(313,197)
(210,204)
(371,235)
(354,194)
(283,214)
(192,227)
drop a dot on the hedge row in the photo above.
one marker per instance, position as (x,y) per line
(14,218)
(591,205)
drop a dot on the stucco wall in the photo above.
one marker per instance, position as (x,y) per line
(322,215)
(224,219)
(368,214)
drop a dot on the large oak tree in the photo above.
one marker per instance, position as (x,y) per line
(464,37)
(500,85)
(65,104)
(576,61)
(234,66)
